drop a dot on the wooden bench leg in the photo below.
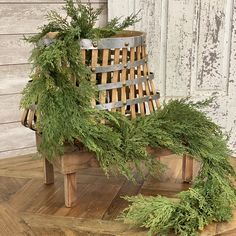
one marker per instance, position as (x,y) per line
(48,172)
(187,169)
(70,188)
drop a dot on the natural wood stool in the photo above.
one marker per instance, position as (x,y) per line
(119,66)
(76,158)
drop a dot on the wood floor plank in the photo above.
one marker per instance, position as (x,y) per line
(92,203)
(210,230)
(229,233)
(40,197)
(86,178)
(27,166)
(226,227)
(118,203)
(39,231)
(11,223)
(152,187)
(9,186)
(48,199)
(87,225)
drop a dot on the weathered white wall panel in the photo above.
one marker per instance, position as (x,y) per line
(26,18)
(13,50)
(15,136)
(13,78)
(211,45)
(19,17)
(179,48)
(191,51)
(9,108)
(231,106)
(151,23)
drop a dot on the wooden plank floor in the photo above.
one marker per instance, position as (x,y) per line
(28,207)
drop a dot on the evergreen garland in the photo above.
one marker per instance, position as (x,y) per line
(62,90)
(180,127)
(64,111)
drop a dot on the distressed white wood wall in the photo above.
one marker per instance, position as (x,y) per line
(18,17)
(192,50)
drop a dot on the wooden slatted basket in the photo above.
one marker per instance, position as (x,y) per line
(120,69)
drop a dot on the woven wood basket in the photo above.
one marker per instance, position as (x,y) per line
(119,66)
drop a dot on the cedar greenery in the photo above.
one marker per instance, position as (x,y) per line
(188,131)
(64,111)
(65,114)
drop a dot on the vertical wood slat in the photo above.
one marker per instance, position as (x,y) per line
(70,188)
(83,56)
(140,85)
(123,79)
(31,116)
(147,88)
(187,169)
(115,76)
(153,90)
(48,172)
(132,87)
(94,65)
(102,95)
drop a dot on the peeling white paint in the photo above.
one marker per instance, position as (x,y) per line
(192,51)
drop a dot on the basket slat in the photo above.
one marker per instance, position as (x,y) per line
(94,63)
(147,88)
(140,85)
(115,76)
(102,94)
(123,80)
(132,87)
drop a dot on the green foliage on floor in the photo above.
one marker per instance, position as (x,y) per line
(188,131)
(62,91)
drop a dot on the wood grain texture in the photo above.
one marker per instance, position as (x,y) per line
(187,169)
(179,50)
(17,152)
(9,186)
(211,45)
(9,108)
(48,1)
(28,207)
(152,23)
(120,8)
(13,78)
(11,223)
(48,172)
(231,106)
(9,45)
(14,136)
(70,189)
(94,227)
(26,18)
